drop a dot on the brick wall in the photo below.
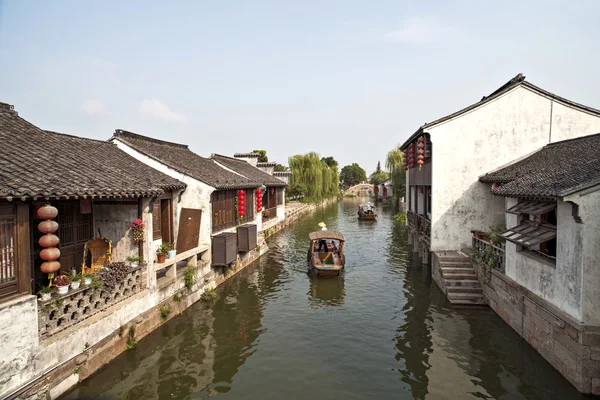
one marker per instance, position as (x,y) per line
(568,345)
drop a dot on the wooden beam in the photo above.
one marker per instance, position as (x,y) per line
(23,248)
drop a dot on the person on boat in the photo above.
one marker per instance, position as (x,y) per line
(322,242)
(361,212)
(333,247)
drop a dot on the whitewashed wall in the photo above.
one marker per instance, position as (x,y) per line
(509,127)
(586,236)
(196,195)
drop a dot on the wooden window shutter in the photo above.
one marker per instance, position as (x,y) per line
(156,226)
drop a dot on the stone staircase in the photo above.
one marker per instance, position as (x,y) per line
(462,285)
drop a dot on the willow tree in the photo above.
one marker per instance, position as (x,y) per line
(394,164)
(312,177)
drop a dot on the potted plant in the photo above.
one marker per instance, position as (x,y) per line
(161,253)
(137,226)
(62,282)
(171,250)
(134,261)
(87,279)
(75,278)
(45,293)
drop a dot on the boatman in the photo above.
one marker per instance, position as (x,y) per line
(322,242)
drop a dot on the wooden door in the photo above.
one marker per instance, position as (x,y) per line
(74,230)
(189,229)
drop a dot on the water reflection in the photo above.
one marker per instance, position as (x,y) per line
(326,291)
(381,330)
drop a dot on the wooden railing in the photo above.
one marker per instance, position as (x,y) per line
(269,214)
(485,250)
(419,224)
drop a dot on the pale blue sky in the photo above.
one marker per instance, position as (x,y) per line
(344,78)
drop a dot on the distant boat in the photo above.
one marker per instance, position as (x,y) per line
(366,213)
(329,262)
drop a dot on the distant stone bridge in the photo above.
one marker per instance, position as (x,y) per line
(362,189)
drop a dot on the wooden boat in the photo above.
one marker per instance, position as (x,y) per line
(366,215)
(330,262)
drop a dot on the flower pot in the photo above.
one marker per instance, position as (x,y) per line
(133,264)
(63,289)
(46,296)
(161,258)
(75,285)
(87,281)
(172,253)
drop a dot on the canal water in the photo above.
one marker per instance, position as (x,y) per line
(382,330)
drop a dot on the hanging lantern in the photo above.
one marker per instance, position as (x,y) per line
(376,189)
(47,212)
(241,213)
(48,226)
(48,240)
(240,192)
(50,254)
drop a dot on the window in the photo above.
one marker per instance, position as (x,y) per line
(156,221)
(536,232)
(279,196)
(250,205)
(8,264)
(223,209)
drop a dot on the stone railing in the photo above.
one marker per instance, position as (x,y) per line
(497,250)
(63,311)
(419,224)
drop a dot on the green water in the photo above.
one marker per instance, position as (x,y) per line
(382,330)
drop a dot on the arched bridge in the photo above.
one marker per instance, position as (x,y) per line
(362,189)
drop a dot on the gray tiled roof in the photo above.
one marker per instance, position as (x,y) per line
(249,171)
(34,162)
(182,159)
(556,170)
(518,80)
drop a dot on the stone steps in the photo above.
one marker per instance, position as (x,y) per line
(462,286)
(461,283)
(467,298)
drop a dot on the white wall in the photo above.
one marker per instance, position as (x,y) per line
(572,283)
(196,195)
(114,222)
(588,241)
(509,127)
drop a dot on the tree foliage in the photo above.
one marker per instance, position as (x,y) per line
(352,175)
(312,177)
(281,168)
(394,164)
(263,155)
(330,161)
(378,176)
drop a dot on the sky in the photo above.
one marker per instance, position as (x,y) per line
(348,79)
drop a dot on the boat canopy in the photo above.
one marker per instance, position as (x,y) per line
(318,235)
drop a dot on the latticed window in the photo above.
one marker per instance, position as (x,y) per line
(250,205)
(279,192)
(223,209)
(156,221)
(537,231)
(8,264)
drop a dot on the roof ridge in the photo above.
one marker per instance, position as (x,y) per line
(562,99)
(78,137)
(572,140)
(229,158)
(124,133)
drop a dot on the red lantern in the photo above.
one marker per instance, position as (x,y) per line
(240,192)
(48,240)
(241,213)
(242,207)
(50,254)
(259,209)
(48,226)
(50,267)
(259,192)
(47,212)
(495,186)
(376,189)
